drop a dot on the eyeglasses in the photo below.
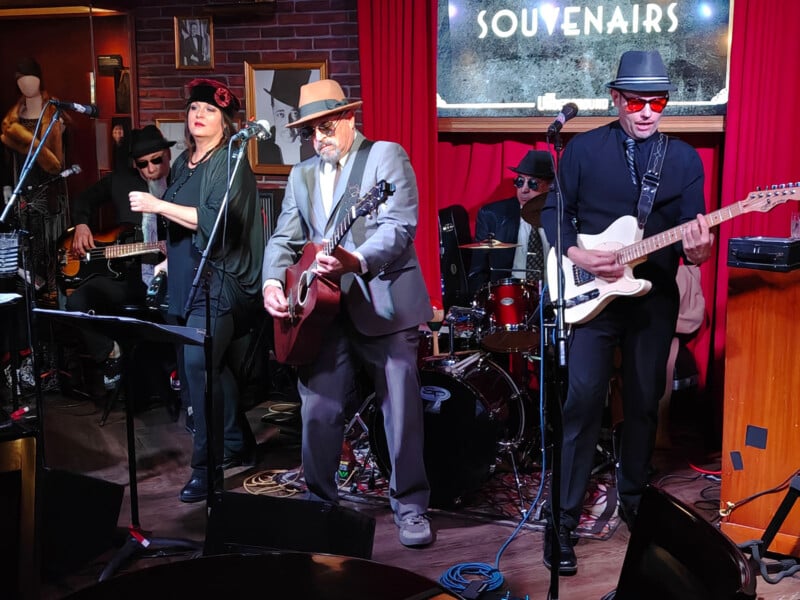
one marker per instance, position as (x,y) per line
(532,183)
(142,164)
(327,129)
(636,104)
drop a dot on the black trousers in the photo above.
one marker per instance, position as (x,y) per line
(643,329)
(104,296)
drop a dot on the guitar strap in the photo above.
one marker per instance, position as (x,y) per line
(358,230)
(651,179)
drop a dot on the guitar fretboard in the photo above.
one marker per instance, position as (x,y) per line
(123,250)
(760,200)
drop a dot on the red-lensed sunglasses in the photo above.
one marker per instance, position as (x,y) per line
(636,104)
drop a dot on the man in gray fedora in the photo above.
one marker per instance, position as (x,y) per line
(602,173)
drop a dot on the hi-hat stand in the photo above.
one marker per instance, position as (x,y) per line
(129,332)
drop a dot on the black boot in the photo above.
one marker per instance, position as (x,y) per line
(196,489)
(568,565)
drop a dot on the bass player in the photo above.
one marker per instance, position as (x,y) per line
(127,283)
(383,299)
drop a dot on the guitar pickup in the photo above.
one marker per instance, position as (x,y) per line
(581,276)
(581,298)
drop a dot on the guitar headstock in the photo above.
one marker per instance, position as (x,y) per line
(767,199)
(374,198)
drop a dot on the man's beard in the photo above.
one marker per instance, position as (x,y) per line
(332,154)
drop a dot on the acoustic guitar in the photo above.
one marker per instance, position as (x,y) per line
(585,295)
(314,299)
(75,270)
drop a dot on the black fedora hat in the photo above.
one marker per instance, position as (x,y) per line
(147,140)
(536,163)
(642,71)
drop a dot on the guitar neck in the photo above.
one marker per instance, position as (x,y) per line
(638,250)
(134,249)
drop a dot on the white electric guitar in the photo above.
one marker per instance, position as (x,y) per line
(586,295)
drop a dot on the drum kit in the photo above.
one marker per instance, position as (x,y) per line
(476,403)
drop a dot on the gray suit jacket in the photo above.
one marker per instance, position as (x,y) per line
(391,295)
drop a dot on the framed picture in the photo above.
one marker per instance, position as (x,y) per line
(194,43)
(174,131)
(273,93)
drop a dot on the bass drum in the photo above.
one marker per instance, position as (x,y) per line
(471,410)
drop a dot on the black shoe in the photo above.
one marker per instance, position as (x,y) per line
(112,372)
(196,490)
(569,562)
(239,459)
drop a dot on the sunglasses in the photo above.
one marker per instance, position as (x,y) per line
(636,104)
(142,164)
(327,129)
(532,183)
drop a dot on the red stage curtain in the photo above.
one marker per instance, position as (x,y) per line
(761,123)
(397,50)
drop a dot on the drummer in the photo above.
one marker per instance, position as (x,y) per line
(511,222)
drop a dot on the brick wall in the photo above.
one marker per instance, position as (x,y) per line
(292,31)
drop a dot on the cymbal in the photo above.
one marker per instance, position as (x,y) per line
(488,245)
(532,213)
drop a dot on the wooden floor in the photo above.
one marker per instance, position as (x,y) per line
(75,441)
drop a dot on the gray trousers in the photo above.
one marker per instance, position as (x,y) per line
(325,389)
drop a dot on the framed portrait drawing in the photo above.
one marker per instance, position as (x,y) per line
(273,93)
(174,131)
(194,43)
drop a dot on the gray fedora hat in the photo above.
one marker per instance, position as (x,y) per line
(642,71)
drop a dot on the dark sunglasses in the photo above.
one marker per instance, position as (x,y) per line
(636,104)
(154,161)
(532,183)
(328,128)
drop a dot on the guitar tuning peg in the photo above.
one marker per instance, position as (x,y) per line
(758,188)
(774,187)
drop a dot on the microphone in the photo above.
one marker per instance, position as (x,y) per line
(73,170)
(259,128)
(568,111)
(86,109)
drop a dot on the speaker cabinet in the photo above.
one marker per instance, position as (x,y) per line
(79,517)
(244,523)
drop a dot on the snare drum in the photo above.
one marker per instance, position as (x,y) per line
(510,305)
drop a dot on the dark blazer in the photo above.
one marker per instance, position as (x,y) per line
(499,220)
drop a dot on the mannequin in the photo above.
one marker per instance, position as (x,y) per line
(18,124)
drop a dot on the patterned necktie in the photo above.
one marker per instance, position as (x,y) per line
(534,262)
(630,146)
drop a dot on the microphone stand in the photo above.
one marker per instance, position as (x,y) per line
(214,411)
(556,390)
(29,277)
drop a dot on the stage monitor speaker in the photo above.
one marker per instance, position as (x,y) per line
(244,523)
(454,231)
(79,519)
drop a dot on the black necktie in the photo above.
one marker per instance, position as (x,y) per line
(534,261)
(630,147)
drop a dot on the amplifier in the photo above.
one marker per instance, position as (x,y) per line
(765,253)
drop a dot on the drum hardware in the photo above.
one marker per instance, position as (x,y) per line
(456,315)
(473,413)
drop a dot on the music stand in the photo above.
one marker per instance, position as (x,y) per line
(128,332)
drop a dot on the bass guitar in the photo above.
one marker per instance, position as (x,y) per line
(313,299)
(75,270)
(585,295)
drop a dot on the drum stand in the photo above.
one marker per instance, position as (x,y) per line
(369,458)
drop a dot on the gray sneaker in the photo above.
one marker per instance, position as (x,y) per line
(415,530)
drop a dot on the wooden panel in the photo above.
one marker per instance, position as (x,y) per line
(761,383)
